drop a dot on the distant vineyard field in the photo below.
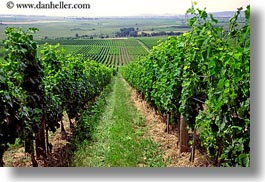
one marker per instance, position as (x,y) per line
(111,52)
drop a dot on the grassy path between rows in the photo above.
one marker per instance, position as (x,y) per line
(144,46)
(118,139)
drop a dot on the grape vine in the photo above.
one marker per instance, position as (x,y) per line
(204,75)
(35,91)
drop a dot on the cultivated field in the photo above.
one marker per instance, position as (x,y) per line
(111,52)
(92,27)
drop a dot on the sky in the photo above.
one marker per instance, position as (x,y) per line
(123,7)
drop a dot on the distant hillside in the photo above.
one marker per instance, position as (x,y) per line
(225,14)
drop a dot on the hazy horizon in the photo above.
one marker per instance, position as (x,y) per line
(123,8)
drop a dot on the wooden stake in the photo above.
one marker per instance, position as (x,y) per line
(193,146)
(168,120)
(183,136)
(40,140)
(178,120)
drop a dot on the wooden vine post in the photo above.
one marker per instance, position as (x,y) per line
(183,145)
(193,145)
(168,121)
(40,140)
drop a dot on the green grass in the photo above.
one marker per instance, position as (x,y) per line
(117,140)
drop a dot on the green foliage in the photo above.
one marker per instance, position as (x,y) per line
(32,88)
(206,65)
(70,83)
(227,119)
(21,88)
(90,118)
(52,58)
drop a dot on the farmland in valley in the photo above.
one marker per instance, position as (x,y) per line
(65,28)
(111,52)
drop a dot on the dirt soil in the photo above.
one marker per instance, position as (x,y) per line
(59,157)
(167,141)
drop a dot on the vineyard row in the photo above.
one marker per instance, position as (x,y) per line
(36,90)
(201,81)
